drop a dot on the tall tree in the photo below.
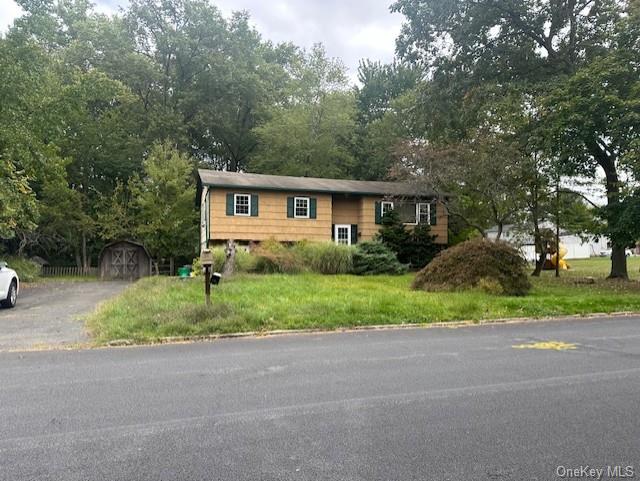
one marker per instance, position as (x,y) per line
(384,101)
(164,198)
(468,45)
(311,134)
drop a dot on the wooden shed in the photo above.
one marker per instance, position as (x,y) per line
(124,259)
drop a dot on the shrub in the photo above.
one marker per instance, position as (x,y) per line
(274,257)
(415,247)
(422,247)
(477,263)
(28,271)
(244,261)
(325,257)
(395,235)
(375,258)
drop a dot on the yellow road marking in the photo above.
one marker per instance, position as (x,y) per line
(549,345)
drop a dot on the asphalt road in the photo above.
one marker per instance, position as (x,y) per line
(415,404)
(50,313)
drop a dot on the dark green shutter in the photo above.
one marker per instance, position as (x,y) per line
(229,204)
(254,205)
(433,214)
(313,207)
(333,231)
(354,234)
(378,212)
(289,206)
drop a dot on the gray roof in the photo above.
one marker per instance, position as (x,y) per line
(236,180)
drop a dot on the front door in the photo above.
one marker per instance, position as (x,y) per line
(342,234)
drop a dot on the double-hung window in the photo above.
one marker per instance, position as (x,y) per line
(301,208)
(386,207)
(424,213)
(242,204)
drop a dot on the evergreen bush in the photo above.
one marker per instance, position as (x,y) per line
(376,258)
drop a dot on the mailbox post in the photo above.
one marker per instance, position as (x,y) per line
(206,260)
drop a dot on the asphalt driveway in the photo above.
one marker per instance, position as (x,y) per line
(50,313)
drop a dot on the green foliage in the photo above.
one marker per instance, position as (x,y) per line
(168,221)
(17,201)
(159,306)
(477,263)
(372,258)
(310,135)
(244,261)
(385,101)
(395,235)
(325,257)
(28,271)
(568,77)
(415,247)
(274,257)
(422,246)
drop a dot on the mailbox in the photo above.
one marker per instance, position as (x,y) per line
(206,258)
(215,278)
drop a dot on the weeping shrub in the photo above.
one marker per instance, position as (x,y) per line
(376,258)
(492,266)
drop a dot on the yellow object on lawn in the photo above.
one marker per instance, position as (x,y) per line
(563,264)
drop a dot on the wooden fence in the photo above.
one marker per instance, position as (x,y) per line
(71,271)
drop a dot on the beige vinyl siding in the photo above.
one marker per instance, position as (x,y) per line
(441,229)
(272,221)
(368,228)
(346,209)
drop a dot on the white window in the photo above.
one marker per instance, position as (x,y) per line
(386,207)
(342,234)
(301,207)
(424,213)
(242,204)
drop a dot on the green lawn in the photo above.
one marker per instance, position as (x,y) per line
(158,306)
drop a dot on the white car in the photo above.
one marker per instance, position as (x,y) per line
(9,286)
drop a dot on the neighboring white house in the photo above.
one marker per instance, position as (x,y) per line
(577,248)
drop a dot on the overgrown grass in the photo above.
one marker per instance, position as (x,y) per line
(28,271)
(159,307)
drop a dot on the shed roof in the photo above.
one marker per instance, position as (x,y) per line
(126,241)
(216,178)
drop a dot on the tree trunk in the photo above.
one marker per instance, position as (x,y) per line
(78,258)
(229,258)
(85,261)
(171,266)
(539,247)
(618,263)
(606,160)
(618,256)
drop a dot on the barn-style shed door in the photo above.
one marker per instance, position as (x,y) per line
(124,263)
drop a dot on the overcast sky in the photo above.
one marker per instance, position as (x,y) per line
(351,29)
